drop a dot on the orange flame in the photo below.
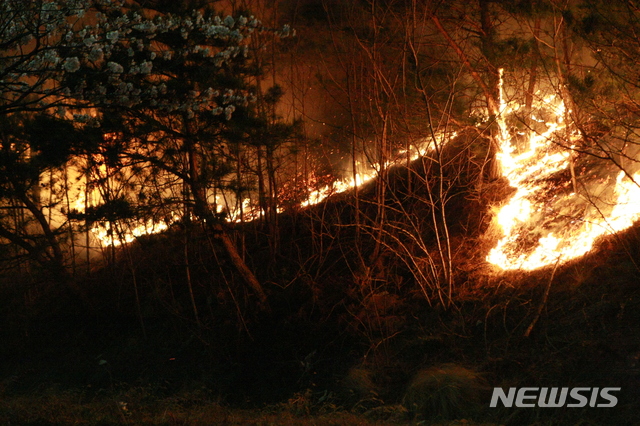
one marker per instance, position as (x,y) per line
(563,226)
(126,232)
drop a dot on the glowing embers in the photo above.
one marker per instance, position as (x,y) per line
(556,213)
(318,195)
(123,233)
(368,171)
(564,227)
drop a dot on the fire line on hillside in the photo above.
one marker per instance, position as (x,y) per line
(547,221)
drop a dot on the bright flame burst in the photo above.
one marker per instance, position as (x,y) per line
(546,222)
(125,232)
(370,172)
(116,237)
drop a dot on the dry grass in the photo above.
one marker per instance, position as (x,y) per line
(359,382)
(448,391)
(138,406)
(68,408)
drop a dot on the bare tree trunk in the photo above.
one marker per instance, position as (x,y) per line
(241,267)
(262,192)
(532,83)
(204,212)
(272,203)
(563,68)
(72,242)
(492,101)
(187,264)
(381,188)
(490,89)
(52,240)
(440,265)
(488,41)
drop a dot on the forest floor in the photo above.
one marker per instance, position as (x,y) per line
(137,406)
(333,349)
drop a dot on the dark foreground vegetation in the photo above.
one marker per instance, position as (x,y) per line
(329,350)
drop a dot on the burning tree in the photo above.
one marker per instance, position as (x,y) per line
(148,103)
(171,120)
(172,92)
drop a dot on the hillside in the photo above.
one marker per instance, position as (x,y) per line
(349,333)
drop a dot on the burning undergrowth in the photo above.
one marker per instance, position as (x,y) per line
(569,190)
(566,196)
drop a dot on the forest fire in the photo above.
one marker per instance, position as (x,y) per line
(318,195)
(117,235)
(313,212)
(547,221)
(368,172)
(122,231)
